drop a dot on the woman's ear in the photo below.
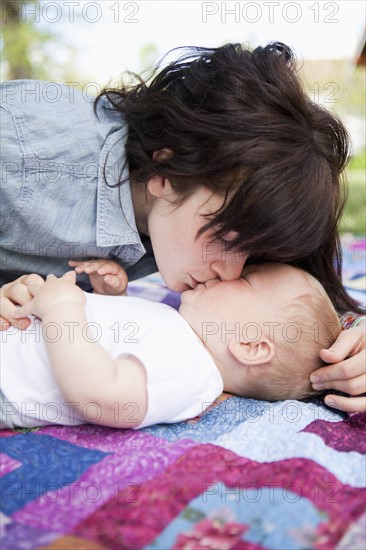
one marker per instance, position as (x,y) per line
(156,186)
(162,154)
(252,353)
(159,186)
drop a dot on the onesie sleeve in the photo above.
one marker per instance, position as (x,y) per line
(182,378)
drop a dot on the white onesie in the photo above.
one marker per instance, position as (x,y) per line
(182,378)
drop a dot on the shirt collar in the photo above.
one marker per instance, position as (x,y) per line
(116,225)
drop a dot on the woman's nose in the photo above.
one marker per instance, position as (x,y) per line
(230,268)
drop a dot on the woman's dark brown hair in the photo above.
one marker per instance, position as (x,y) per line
(240,123)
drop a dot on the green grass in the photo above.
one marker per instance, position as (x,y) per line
(354,215)
(358,162)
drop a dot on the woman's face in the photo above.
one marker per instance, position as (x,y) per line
(184,260)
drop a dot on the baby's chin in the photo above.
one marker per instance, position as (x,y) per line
(182,308)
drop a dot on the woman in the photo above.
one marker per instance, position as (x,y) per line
(220,160)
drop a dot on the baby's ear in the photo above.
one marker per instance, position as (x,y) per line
(252,353)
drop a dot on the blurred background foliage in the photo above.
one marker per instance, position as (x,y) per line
(30,50)
(339,85)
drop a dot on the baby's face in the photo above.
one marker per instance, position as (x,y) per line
(220,311)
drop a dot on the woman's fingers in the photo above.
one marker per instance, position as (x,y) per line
(4,324)
(346,404)
(352,386)
(350,368)
(346,371)
(17,294)
(349,342)
(14,294)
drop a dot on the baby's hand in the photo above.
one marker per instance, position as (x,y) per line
(106,276)
(16,294)
(52,292)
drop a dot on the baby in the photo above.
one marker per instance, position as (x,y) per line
(126,362)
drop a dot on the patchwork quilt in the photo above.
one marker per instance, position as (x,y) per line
(246,474)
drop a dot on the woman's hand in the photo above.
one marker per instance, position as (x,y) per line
(347,371)
(16,294)
(51,293)
(106,276)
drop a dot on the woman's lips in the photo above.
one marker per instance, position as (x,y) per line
(193,281)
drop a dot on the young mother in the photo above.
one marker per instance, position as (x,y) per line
(219,160)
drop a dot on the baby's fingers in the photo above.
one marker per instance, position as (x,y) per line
(86,266)
(116,286)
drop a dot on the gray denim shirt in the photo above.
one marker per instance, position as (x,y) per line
(55,204)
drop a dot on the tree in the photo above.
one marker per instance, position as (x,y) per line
(26,45)
(19,37)
(148,56)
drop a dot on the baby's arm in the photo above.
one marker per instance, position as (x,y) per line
(106,276)
(85,372)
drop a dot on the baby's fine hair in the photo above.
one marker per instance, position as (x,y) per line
(307,324)
(240,123)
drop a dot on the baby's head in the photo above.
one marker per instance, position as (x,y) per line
(264,330)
